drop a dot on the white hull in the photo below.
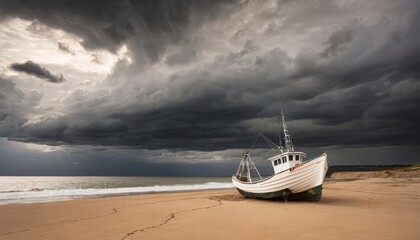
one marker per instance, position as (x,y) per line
(303,177)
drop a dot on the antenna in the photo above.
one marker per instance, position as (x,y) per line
(287,137)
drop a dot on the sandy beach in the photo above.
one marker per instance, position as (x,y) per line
(371,208)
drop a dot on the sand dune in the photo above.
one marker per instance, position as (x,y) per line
(377,208)
(408,172)
(384,174)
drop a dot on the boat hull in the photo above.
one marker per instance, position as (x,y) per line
(311,195)
(302,182)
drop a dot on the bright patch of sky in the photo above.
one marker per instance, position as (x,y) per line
(23,40)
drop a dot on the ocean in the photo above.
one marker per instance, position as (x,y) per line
(46,189)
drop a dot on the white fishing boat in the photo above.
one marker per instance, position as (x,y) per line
(293,178)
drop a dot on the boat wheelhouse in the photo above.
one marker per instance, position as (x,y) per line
(286,160)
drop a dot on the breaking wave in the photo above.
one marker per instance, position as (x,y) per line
(67,194)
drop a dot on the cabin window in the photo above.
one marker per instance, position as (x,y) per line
(297,157)
(279,160)
(275,163)
(284,159)
(290,157)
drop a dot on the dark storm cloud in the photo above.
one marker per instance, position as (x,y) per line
(119,32)
(14,105)
(337,41)
(358,88)
(147,26)
(36,70)
(227,115)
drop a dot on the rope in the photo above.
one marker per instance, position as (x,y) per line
(255,140)
(263,158)
(269,141)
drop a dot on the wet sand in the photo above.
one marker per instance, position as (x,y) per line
(374,208)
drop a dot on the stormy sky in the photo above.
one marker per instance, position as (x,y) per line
(183,87)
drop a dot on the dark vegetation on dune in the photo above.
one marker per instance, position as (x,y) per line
(364,168)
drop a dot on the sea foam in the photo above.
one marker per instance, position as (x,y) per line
(67,194)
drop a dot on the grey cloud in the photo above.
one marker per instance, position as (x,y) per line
(181,56)
(14,106)
(45,128)
(148,27)
(36,70)
(337,41)
(65,48)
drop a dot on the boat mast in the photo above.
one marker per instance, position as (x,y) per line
(287,137)
(248,174)
(251,166)
(245,167)
(280,146)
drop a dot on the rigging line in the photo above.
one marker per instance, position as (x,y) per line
(268,140)
(267,153)
(255,140)
(263,158)
(269,144)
